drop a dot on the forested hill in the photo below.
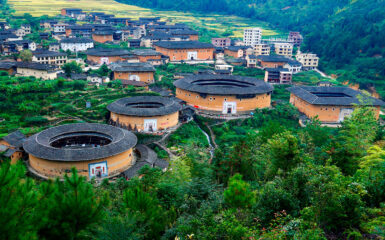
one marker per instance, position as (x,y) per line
(348,35)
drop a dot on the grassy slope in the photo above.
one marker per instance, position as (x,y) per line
(211,22)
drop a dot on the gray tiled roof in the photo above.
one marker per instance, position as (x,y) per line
(15,139)
(36,66)
(183,44)
(145,52)
(76,40)
(132,106)
(146,154)
(223,85)
(48,54)
(162,164)
(107,52)
(273,58)
(277,69)
(336,96)
(132,67)
(184,32)
(133,83)
(147,157)
(39,145)
(237,48)
(7,65)
(133,171)
(9,152)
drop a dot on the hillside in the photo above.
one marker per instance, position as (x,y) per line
(208,24)
(348,35)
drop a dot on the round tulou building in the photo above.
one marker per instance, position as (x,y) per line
(96,150)
(224,94)
(145,113)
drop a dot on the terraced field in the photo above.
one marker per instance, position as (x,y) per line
(211,22)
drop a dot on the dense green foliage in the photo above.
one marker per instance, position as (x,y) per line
(48,210)
(31,104)
(5,10)
(269,179)
(72,67)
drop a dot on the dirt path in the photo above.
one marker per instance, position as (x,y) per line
(322,73)
(160,143)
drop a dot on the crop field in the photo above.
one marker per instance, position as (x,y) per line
(212,22)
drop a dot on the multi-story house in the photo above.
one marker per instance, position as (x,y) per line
(296,38)
(252,36)
(251,61)
(261,49)
(48,57)
(293,66)
(278,75)
(221,42)
(23,30)
(309,60)
(284,49)
(38,70)
(10,47)
(55,47)
(59,28)
(76,44)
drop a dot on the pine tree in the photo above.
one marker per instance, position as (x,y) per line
(18,201)
(238,194)
(70,209)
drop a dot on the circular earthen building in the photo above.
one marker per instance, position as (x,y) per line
(96,150)
(145,113)
(224,94)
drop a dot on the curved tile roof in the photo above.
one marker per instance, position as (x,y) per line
(39,145)
(76,40)
(223,85)
(183,44)
(144,106)
(336,96)
(105,52)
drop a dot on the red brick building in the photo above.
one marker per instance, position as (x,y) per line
(272,61)
(108,55)
(185,50)
(278,75)
(103,36)
(136,72)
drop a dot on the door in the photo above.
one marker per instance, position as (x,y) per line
(135,78)
(229,108)
(104,60)
(150,125)
(345,112)
(192,55)
(98,170)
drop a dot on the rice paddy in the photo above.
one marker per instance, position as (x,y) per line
(212,22)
